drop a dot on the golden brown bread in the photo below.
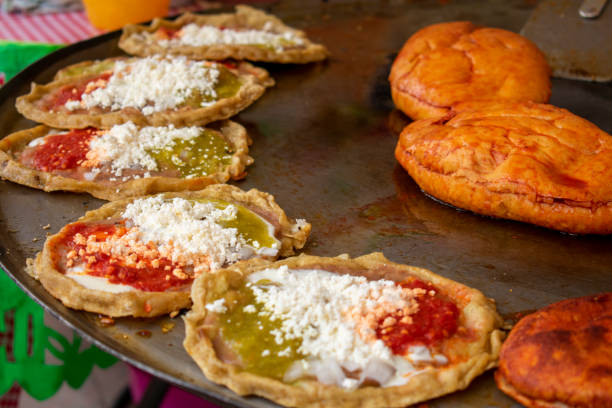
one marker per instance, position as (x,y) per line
(523,161)
(448,63)
(561,356)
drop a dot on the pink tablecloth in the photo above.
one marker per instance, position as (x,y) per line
(60,28)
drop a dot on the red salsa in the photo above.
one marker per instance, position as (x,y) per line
(435,320)
(62,152)
(147,277)
(74,92)
(166,33)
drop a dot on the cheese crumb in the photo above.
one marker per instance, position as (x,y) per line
(330,313)
(218,306)
(126,146)
(197,36)
(185,231)
(152,84)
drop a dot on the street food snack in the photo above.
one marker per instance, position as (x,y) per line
(151,91)
(444,64)
(365,332)
(138,257)
(125,160)
(561,355)
(247,34)
(529,162)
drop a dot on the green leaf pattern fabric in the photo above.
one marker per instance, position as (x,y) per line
(32,344)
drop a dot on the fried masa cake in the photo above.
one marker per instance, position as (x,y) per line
(523,161)
(247,34)
(138,257)
(318,332)
(125,160)
(150,91)
(448,63)
(561,355)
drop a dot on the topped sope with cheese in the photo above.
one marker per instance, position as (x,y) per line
(199,35)
(126,160)
(159,244)
(350,332)
(247,34)
(154,90)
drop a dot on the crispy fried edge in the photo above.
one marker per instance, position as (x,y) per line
(244,15)
(254,82)
(527,401)
(12,170)
(479,314)
(148,304)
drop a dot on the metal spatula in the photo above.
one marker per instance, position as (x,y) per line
(575,36)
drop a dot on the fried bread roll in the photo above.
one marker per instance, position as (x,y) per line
(448,63)
(523,161)
(561,356)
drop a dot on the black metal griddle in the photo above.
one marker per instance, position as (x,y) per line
(323,146)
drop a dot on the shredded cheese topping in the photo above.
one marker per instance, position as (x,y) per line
(335,317)
(204,35)
(187,232)
(332,315)
(151,84)
(126,146)
(196,35)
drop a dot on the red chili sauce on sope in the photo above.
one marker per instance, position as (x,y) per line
(435,320)
(149,275)
(167,33)
(64,151)
(75,92)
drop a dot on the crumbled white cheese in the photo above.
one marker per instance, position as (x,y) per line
(92,173)
(197,36)
(249,309)
(182,228)
(126,146)
(218,306)
(151,84)
(318,315)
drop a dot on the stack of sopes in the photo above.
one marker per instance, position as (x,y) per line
(483,139)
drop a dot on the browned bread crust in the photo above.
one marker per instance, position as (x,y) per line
(523,161)
(137,303)
(448,63)
(32,106)
(244,17)
(13,170)
(469,355)
(561,356)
